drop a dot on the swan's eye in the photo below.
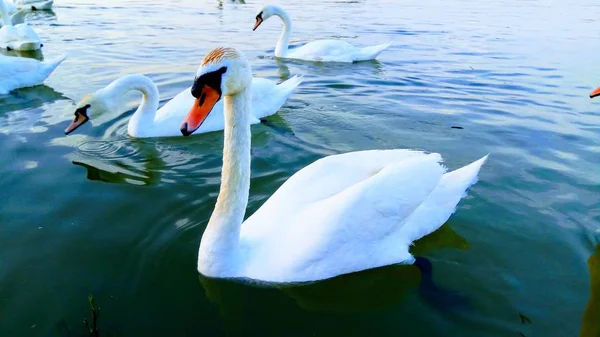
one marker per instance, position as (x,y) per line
(202,98)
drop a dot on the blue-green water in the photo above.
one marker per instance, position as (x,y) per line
(100,213)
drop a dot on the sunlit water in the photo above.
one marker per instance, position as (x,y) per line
(100,213)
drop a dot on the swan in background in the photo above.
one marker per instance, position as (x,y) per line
(595,93)
(15,16)
(18,37)
(149,121)
(18,72)
(319,50)
(341,214)
(33,4)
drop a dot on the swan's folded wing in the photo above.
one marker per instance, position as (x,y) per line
(320,238)
(319,181)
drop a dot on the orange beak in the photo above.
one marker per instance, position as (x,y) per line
(201,109)
(595,93)
(80,119)
(259,20)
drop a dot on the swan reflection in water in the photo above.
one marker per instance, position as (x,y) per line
(357,292)
(591,318)
(32,54)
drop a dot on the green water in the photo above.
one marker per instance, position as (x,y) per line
(100,213)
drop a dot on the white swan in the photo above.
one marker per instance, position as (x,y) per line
(595,93)
(340,214)
(319,50)
(149,121)
(33,4)
(15,16)
(18,72)
(18,37)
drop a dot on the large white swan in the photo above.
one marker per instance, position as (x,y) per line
(319,50)
(19,72)
(33,4)
(340,214)
(18,37)
(595,93)
(150,121)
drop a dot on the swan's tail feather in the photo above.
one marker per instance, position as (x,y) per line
(370,53)
(290,84)
(49,66)
(441,203)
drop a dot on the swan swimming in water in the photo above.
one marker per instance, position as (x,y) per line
(341,214)
(19,37)
(319,50)
(19,72)
(150,121)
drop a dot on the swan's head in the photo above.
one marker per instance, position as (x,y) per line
(595,93)
(223,72)
(264,13)
(92,105)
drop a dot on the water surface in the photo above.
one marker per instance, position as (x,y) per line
(101,213)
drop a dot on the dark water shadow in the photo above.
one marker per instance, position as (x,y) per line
(29,98)
(590,326)
(32,54)
(363,291)
(119,162)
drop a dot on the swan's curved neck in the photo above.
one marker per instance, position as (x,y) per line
(219,251)
(5,15)
(143,118)
(281,49)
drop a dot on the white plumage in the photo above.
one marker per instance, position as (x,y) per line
(20,72)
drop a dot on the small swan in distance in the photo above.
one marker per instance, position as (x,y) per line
(33,4)
(319,50)
(19,72)
(19,37)
(150,121)
(341,214)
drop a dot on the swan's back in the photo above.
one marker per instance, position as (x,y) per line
(18,72)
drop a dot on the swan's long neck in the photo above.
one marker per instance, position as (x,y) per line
(219,251)
(281,49)
(5,15)
(143,118)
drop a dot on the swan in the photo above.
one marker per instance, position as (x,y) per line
(33,4)
(149,121)
(341,214)
(319,50)
(18,37)
(595,93)
(15,16)
(18,72)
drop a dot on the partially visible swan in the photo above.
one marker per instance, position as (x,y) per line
(595,93)
(18,72)
(319,50)
(33,4)
(15,16)
(341,214)
(150,121)
(18,37)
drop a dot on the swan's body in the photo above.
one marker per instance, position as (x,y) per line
(20,72)
(33,4)
(319,50)
(17,37)
(149,121)
(340,214)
